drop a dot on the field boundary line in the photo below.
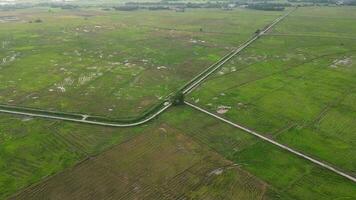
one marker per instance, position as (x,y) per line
(269,140)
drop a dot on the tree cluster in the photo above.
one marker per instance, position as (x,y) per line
(269,6)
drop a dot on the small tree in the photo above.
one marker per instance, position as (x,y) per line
(178,99)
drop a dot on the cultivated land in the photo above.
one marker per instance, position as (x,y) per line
(112,64)
(183,154)
(159,164)
(294,84)
(33,149)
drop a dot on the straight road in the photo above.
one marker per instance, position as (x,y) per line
(319,163)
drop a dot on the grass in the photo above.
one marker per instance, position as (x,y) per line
(288,176)
(112,64)
(295,85)
(101,63)
(161,163)
(175,153)
(32,149)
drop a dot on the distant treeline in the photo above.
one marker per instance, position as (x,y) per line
(126,8)
(136,7)
(337,2)
(269,6)
(181,6)
(16,6)
(129,6)
(165,5)
(63,6)
(351,3)
(312,1)
(29,5)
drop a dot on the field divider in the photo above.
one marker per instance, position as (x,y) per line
(269,140)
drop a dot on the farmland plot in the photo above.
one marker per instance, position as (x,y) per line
(114,64)
(184,153)
(289,86)
(160,164)
(288,176)
(32,149)
(296,84)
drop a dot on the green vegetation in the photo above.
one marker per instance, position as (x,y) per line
(296,85)
(180,154)
(32,149)
(178,98)
(161,163)
(112,64)
(288,176)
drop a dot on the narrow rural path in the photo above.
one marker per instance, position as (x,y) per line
(269,140)
(85,120)
(187,88)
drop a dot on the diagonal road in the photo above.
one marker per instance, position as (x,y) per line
(269,140)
